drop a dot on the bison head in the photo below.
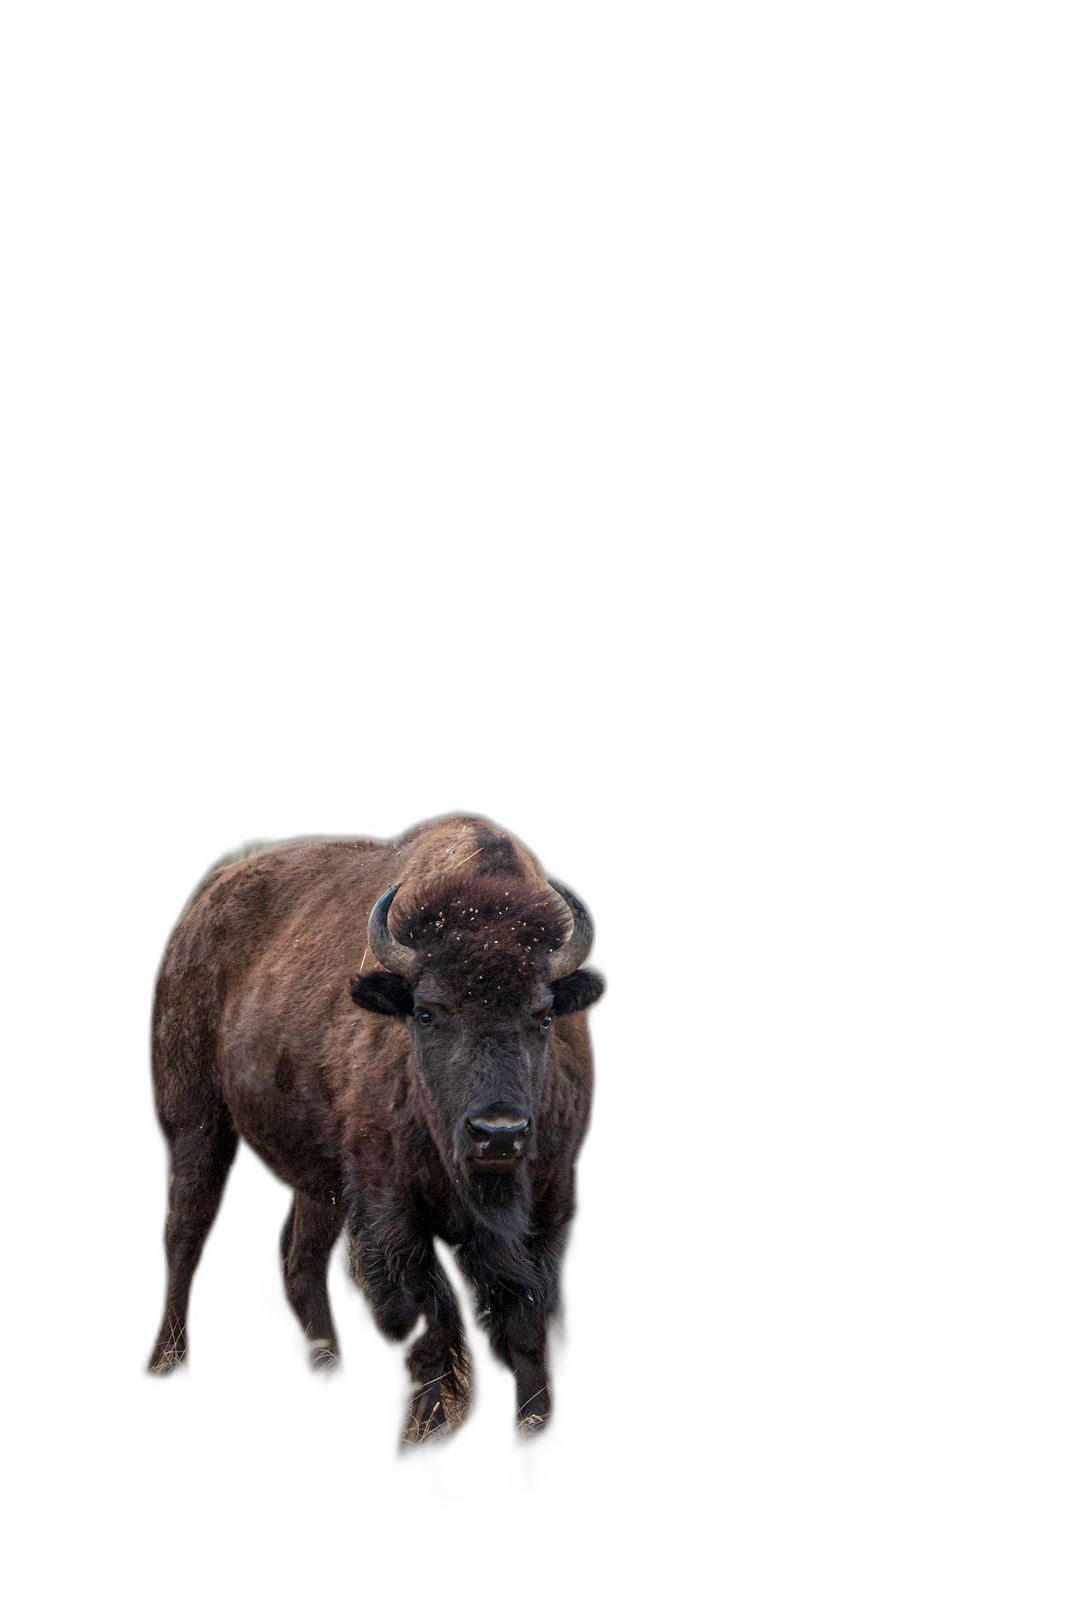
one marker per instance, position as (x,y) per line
(480,971)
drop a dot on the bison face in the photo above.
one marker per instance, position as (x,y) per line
(481,1066)
(482,1078)
(480,989)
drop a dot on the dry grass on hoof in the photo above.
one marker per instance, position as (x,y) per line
(435,1413)
(534,1414)
(165,1364)
(172,1356)
(533,1422)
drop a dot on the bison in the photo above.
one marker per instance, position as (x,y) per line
(398,1030)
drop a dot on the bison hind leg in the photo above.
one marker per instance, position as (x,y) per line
(309,1235)
(201,1155)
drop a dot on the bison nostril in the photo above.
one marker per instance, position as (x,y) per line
(502,1128)
(496,1135)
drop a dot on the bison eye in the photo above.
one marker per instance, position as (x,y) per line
(423,1016)
(545,1022)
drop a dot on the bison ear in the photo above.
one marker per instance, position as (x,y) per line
(576,992)
(382,993)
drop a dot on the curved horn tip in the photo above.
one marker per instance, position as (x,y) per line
(570,955)
(387,950)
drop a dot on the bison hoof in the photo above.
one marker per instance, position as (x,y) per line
(435,1411)
(425,1428)
(323,1355)
(531,1428)
(534,1415)
(168,1356)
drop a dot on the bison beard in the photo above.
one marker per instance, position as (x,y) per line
(441,1092)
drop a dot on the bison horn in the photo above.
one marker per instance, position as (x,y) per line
(385,948)
(576,949)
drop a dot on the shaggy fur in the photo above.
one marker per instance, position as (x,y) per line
(360,1088)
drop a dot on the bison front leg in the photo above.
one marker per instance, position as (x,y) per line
(400,1274)
(438,1364)
(527,1345)
(526,1330)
